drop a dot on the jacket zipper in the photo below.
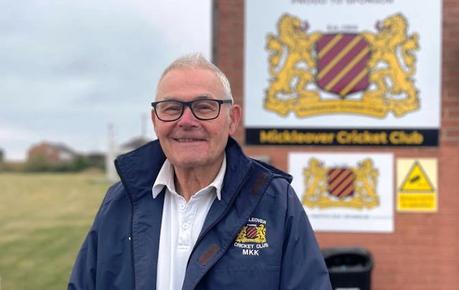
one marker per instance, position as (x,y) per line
(131,240)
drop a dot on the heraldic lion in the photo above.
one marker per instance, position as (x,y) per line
(290,62)
(394,78)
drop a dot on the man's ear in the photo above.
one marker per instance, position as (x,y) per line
(235,116)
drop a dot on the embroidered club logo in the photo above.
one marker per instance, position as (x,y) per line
(251,231)
(252,237)
(367,73)
(348,187)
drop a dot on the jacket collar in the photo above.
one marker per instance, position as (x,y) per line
(138,169)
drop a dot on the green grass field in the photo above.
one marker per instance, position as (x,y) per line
(43,221)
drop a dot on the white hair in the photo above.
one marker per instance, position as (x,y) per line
(197,61)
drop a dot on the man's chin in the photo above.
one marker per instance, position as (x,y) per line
(187,162)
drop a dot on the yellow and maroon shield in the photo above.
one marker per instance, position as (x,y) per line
(340,182)
(342,63)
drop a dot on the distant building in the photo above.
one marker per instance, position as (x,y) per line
(51,153)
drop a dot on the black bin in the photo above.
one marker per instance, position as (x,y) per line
(349,268)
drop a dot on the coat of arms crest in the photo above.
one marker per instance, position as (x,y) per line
(304,65)
(351,187)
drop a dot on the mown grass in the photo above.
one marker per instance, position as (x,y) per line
(43,221)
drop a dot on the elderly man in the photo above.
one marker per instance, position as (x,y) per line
(192,211)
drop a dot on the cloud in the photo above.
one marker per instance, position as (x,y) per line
(71,67)
(14,141)
(15,134)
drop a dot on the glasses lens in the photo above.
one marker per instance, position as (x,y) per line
(205,109)
(169,110)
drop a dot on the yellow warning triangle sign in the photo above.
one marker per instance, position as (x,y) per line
(416,180)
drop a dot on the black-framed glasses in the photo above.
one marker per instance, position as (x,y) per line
(202,109)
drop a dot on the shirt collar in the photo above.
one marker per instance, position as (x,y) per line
(165,178)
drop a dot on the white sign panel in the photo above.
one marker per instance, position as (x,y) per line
(345,192)
(342,72)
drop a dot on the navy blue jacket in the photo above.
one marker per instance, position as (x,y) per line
(256,237)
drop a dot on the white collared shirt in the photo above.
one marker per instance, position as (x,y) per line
(181,224)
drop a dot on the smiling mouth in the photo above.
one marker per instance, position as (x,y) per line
(188,140)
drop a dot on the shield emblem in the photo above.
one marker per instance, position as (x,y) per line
(340,182)
(251,232)
(342,63)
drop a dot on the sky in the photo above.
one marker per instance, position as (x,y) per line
(70,69)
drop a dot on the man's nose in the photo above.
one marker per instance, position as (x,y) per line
(187,119)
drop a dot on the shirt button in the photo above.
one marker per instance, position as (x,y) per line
(185,226)
(182,206)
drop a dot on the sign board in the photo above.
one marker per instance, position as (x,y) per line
(417,185)
(342,72)
(341,192)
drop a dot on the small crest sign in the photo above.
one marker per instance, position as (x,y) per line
(345,191)
(353,187)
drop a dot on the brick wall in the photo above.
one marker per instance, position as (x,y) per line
(423,251)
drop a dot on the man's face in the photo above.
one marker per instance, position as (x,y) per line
(190,143)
